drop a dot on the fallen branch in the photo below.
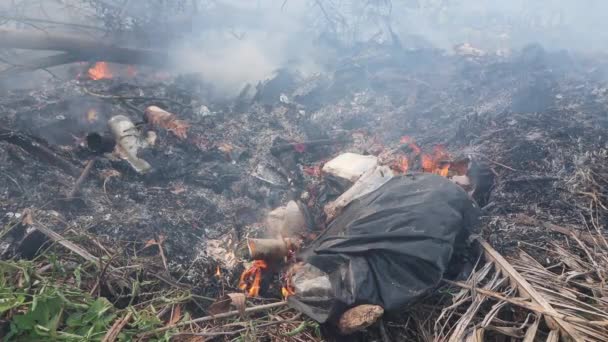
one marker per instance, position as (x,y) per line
(222,315)
(35,148)
(47,21)
(85,48)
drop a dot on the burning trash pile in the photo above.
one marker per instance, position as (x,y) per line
(453,196)
(391,237)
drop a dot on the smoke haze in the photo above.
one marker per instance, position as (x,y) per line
(234,42)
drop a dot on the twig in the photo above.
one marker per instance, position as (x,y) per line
(125,97)
(13,180)
(526,289)
(587,237)
(227,333)
(81,179)
(112,334)
(532,179)
(101,274)
(42,63)
(326,15)
(65,243)
(495,162)
(383,332)
(527,305)
(306,144)
(162,252)
(46,21)
(222,315)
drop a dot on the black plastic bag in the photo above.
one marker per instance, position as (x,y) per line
(390,246)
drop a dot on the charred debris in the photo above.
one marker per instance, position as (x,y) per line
(132,204)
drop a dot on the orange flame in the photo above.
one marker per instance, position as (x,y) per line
(251,279)
(218,272)
(100,71)
(286,292)
(401,165)
(438,162)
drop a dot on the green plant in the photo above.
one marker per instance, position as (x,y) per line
(47,309)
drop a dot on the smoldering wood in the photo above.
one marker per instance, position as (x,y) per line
(35,148)
(99,48)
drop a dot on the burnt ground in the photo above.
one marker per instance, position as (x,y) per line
(537,118)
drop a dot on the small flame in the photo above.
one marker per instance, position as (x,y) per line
(251,279)
(218,272)
(100,71)
(427,163)
(286,292)
(401,165)
(443,171)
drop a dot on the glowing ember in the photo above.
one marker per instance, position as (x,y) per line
(131,71)
(313,171)
(300,148)
(251,279)
(100,71)
(92,115)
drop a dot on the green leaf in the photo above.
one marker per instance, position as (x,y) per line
(75,320)
(78,276)
(9,301)
(99,307)
(34,303)
(23,322)
(53,323)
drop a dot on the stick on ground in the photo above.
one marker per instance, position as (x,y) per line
(81,179)
(222,315)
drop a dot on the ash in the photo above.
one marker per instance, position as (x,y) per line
(537,118)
